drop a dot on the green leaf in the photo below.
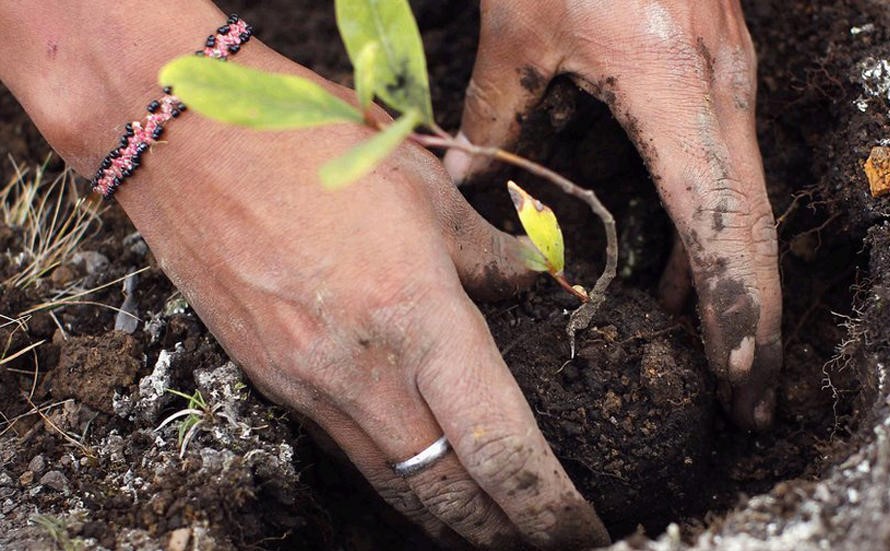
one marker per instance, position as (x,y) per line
(541,226)
(400,69)
(364,74)
(240,95)
(361,159)
(532,257)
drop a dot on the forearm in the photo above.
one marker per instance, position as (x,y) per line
(82,70)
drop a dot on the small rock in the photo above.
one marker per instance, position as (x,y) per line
(91,261)
(877,168)
(136,244)
(55,480)
(37,464)
(26,478)
(63,275)
(179,539)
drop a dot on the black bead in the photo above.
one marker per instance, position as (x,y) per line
(114,154)
(248,30)
(224,30)
(106,162)
(211,41)
(233,49)
(181,107)
(153,106)
(141,148)
(156,133)
(244,37)
(233,19)
(174,113)
(126,173)
(168,90)
(115,183)
(136,162)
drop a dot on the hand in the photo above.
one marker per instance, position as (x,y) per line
(680,75)
(346,306)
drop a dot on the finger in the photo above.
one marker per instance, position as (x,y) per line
(512,70)
(735,104)
(676,282)
(491,427)
(715,195)
(488,261)
(400,424)
(368,459)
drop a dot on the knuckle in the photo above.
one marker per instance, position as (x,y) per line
(457,503)
(481,98)
(504,461)
(401,498)
(765,238)
(725,206)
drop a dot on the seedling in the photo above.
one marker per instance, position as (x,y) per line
(195,414)
(385,48)
(547,250)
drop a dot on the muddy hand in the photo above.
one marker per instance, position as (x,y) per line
(349,306)
(680,75)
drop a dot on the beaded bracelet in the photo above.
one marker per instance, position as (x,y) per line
(138,136)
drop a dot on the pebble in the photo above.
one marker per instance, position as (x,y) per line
(179,539)
(55,480)
(877,168)
(92,261)
(136,244)
(26,478)
(37,464)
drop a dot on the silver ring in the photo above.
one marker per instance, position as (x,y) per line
(424,459)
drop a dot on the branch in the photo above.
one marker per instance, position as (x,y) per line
(581,317)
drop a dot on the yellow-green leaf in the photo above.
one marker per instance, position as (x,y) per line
(240,95)
(365,63)
(532,257)
(541,226)
(400,74)
(361,159)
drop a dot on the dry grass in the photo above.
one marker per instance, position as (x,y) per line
(52,217)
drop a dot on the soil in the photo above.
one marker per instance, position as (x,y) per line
(632,416)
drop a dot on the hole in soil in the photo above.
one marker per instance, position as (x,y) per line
(633,417)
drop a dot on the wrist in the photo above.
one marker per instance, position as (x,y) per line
(83,74)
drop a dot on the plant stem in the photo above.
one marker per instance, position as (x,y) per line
(564,283)
(596,295)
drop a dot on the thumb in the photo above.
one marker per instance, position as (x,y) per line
(489,262)
(510,76)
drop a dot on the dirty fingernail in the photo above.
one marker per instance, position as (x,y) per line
(741,360)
